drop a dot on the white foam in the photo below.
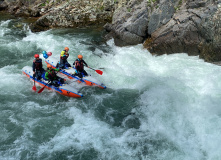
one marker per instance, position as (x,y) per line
(178,105)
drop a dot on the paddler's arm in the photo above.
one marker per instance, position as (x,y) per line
(85,63)
(57,69)
(46,76)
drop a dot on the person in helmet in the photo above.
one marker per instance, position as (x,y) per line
(50,75)
(37,67)
(63,58)
(79,67)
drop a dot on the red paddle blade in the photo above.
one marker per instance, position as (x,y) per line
(99,72)
(34,88)
(41,90)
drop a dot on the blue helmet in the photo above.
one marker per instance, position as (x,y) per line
(45,54)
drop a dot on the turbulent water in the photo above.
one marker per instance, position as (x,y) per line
(154,108)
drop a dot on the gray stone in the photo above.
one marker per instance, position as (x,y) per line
(160,16)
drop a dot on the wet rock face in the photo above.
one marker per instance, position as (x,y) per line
(163,26)
(129,24)
(210,48)
(193,31)
(135,21)
(161,16)
(168,26)
(180,34)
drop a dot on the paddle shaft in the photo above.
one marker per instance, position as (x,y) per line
(91,68)
(43,87)
(34,87)
(34,79)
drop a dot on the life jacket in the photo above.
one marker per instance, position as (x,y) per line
(79,65)
(51,74)
(38,64)
(64,55)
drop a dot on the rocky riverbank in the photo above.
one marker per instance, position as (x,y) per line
(168,26)
(163,26)
(61,13)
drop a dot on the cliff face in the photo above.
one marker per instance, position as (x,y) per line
(194,29)
(169,26)
(163,26)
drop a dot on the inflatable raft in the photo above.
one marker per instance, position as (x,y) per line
(63,89)
(69,72)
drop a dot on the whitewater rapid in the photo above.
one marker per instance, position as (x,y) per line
(155,107)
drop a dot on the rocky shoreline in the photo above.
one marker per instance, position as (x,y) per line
(162,26)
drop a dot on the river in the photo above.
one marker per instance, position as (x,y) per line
(154,108)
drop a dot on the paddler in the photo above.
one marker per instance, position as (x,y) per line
(63,59)
(50,75)
(79,67)
(37,67)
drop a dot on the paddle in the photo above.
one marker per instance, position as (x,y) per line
(34,87)
(98,71)
(43,87)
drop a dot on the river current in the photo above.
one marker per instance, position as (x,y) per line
(154,108)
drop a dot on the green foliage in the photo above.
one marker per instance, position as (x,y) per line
(151,1)
(179,5)
(152,4)
(102,8)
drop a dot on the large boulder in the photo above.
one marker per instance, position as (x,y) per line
(194,30)
(129,24)
(168,26)
(161,15)
(136,20)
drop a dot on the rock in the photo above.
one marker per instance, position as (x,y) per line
(3,5)
(129,28)
(161,16)
(163,26)
(190,31)
(75,14)
(178,31)
(35,13)
(108,27)
(196,4)
(138,24)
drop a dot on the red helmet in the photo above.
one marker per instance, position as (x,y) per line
(36,55)
(49,53)
(49,66)
(66,49)
(80,56)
